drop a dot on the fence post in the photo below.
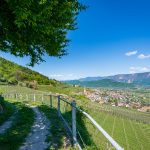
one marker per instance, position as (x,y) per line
(58,105)
(34,97)
(74,132)
(42,99)
(27,97)
(50,100)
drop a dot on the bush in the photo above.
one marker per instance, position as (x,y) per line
(32,84)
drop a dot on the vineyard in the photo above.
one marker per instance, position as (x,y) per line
(83,90)
(131,129)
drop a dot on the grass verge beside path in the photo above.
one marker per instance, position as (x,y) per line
(58,132)
(8,110)
(21,126)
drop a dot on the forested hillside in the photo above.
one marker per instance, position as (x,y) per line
(12,73)
(105,83)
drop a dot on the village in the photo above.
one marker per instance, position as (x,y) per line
(118,98)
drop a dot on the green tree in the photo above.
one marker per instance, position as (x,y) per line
(37,27)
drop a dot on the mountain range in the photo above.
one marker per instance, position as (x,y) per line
(12,73)
(120,80)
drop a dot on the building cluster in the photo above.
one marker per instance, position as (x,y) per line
(115,98)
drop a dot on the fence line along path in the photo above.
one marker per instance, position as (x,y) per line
(58,102)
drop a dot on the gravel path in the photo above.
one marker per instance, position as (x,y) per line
(6,125)
(36,139)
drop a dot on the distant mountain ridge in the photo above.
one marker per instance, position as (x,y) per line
(124,80)
(91,78)
(129,78)
(104,83)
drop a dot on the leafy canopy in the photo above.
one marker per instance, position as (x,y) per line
(37,27)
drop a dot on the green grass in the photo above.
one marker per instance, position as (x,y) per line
(128,133)
(12,73)
(58,132)
(130,128)
(61,88)
(15,136)
(17,89)
(8,110)
(122,112)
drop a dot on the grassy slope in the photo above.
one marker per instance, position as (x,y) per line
(105,83)
(8,110)
(22,124)
(129,133)
(119,123)
(58,132)
(12,73)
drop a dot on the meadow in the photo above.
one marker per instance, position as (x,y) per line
(130,128)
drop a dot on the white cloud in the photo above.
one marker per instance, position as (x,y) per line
(70,75)
(131,53)
(138,69)
(142,56)
(62,76)
(55,75)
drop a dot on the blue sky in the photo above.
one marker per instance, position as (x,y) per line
(113,37)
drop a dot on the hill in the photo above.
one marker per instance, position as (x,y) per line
(91,78)
(121,123)
(130,78)
(144,82)
(104,83)
(118,81)
(12,73)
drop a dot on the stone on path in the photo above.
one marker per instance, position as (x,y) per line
(39,132)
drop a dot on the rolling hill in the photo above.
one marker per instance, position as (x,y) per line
(118,81)
(104,83)
(129,78)
(12,73)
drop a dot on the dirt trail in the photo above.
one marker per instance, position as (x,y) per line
(36,139)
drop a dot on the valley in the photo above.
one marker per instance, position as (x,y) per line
(123,113)
(121,81)
(74,75)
